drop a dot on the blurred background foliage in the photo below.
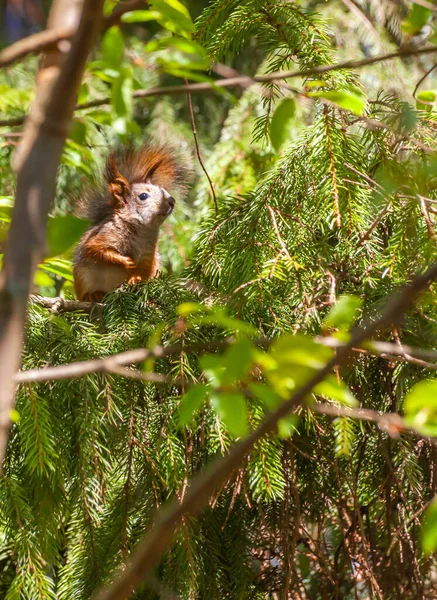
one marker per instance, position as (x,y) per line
(325,188)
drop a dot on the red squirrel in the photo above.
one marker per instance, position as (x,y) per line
(126,213)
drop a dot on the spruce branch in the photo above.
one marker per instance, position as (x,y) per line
(148,552)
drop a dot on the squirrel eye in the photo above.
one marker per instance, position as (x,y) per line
(143,196)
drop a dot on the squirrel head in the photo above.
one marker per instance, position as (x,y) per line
(142,202)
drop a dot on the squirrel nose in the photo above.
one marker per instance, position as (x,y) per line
(171,201)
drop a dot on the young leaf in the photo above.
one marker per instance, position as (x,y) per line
(63,233)
(344,313)
(337,390)
(417,18)
(279,125)
(429,528)
(420,407)
(113,47)
(346,100)
(174,16)
(232,410)
(191,402)
(140,16)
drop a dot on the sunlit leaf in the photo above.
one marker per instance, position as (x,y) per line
(344,313)
(139,16)
(335,389)
(113,47)
(232,410)
(282,116)
(63,233)
(420,407)
(346,100)
(429,528)
(174,16)
(191,402)
(417,18)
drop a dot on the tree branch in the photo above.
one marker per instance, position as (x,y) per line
(246,81)
(44,40)
(148,552)
(37,162)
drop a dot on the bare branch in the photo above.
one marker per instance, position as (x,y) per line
(148,552)
(196,143)
(37,161)
(246,81)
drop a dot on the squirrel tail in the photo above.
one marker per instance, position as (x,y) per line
(150,163)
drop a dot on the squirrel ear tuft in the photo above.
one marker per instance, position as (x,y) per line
(117,184)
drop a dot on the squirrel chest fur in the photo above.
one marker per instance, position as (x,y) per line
(127,213)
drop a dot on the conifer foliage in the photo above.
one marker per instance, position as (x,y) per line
(325,187)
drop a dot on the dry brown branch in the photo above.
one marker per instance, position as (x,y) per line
(37,162)
(148,552)
(245,81)
(47,39)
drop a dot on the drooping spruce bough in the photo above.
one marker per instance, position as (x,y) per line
(334,510)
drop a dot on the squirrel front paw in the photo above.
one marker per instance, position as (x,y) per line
(129,263)
(135,279)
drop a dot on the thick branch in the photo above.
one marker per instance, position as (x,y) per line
(148,552)
(37,160)
(245,81)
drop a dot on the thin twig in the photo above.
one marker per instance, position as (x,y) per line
(196,142)
(245,81)
(422,79)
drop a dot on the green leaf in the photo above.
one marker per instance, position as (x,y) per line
(237,360)
(417,18)
(232,410)
(176,54)
(121,95)
(63,233)
(139,16)
(344,313)
(429,528)
(279,126)
(337,390)
(287,426)
(300,350)
(42,279)
(6,205)
(188,308)
(113,47)
(58,266)
(427,96)
(268,397)
(174,16)
(346,100)
(191,402)
(420,407)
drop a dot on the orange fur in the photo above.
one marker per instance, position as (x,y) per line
(121,246)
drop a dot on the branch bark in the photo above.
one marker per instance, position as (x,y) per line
(37,163)
(148,552)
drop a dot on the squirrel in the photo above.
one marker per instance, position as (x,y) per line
(126,211)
